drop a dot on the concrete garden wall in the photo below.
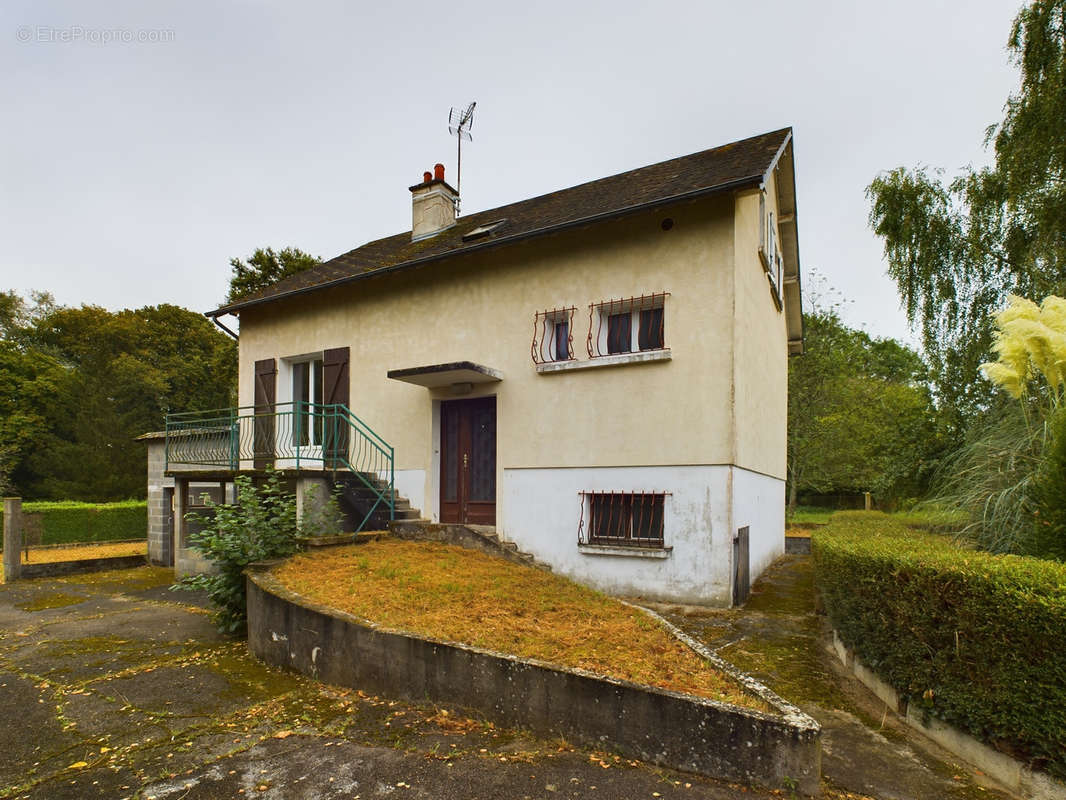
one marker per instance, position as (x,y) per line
(655,725)
(1008,772)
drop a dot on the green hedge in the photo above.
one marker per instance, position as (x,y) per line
(976,640)
(63,522)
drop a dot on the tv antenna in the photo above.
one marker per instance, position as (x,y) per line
(459,124)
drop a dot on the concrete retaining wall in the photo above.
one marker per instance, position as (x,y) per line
(666,728)
(1004,770)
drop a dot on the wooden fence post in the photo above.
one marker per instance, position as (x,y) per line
(12,538)
(869,501)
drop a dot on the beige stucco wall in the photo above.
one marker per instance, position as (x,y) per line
(480,308)
(760,365)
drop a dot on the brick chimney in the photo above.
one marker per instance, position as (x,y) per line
(432,205)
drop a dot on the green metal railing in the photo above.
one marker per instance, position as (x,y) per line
(295,435)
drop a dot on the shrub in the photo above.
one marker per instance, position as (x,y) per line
(69,521)
(973,638)
(260,525)
(995,477)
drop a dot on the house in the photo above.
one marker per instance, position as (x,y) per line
(600,373)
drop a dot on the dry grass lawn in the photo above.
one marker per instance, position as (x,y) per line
(460,595)
(76,552)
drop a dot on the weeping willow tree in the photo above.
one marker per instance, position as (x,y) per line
(1010,476)
(957,249)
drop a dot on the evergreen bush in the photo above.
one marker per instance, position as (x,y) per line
(64,522)
(974,639)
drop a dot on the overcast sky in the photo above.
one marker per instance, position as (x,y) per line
(145,144)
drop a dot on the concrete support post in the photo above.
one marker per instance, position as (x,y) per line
(869,501)
(12,538)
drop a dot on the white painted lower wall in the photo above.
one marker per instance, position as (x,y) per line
(759,503)
(411,483)
(542,510)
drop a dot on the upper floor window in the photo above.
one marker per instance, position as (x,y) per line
(770,252)
(553,335)
(629,325)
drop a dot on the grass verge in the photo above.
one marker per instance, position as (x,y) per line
(48,555)
(458,595)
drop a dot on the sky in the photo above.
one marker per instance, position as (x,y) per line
(146,144)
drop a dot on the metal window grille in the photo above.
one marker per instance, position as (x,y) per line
(627,519)
(612,324)
(553,335)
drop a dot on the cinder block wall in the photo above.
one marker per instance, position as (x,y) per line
(160,513)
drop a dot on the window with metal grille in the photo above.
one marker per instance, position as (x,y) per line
(627,519)
(627,325)
(553,335)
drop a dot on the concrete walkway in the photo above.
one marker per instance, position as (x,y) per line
(866,752)
(113,686)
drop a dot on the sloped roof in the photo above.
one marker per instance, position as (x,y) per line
(722,168)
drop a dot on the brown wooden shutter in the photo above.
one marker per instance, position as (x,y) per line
(266,385)
(335,391)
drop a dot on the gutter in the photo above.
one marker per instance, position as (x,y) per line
(595,218)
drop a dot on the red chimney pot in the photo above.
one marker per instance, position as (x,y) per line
(427,177)
(438,172)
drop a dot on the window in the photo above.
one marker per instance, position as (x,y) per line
(635,324)
(553,335)
(307,397)
(482,231)
(619,333)
(770,253)
(623,519)
(650,336)
(197,496)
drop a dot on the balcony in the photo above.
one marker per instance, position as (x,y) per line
(288,436)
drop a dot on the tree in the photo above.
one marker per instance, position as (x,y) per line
(77,385)
(860,414)
(265,268)
(956,250)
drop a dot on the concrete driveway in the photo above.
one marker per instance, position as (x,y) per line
(113,686)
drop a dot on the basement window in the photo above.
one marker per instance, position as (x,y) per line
(622,519)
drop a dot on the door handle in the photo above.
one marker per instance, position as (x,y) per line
(466,460)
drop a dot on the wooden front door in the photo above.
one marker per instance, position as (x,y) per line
(468,461)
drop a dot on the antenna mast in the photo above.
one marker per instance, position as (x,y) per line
(459,124)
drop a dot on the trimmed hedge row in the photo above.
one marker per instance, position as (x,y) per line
(69,521)
(977,640)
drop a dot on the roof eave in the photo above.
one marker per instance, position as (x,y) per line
(733,185)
